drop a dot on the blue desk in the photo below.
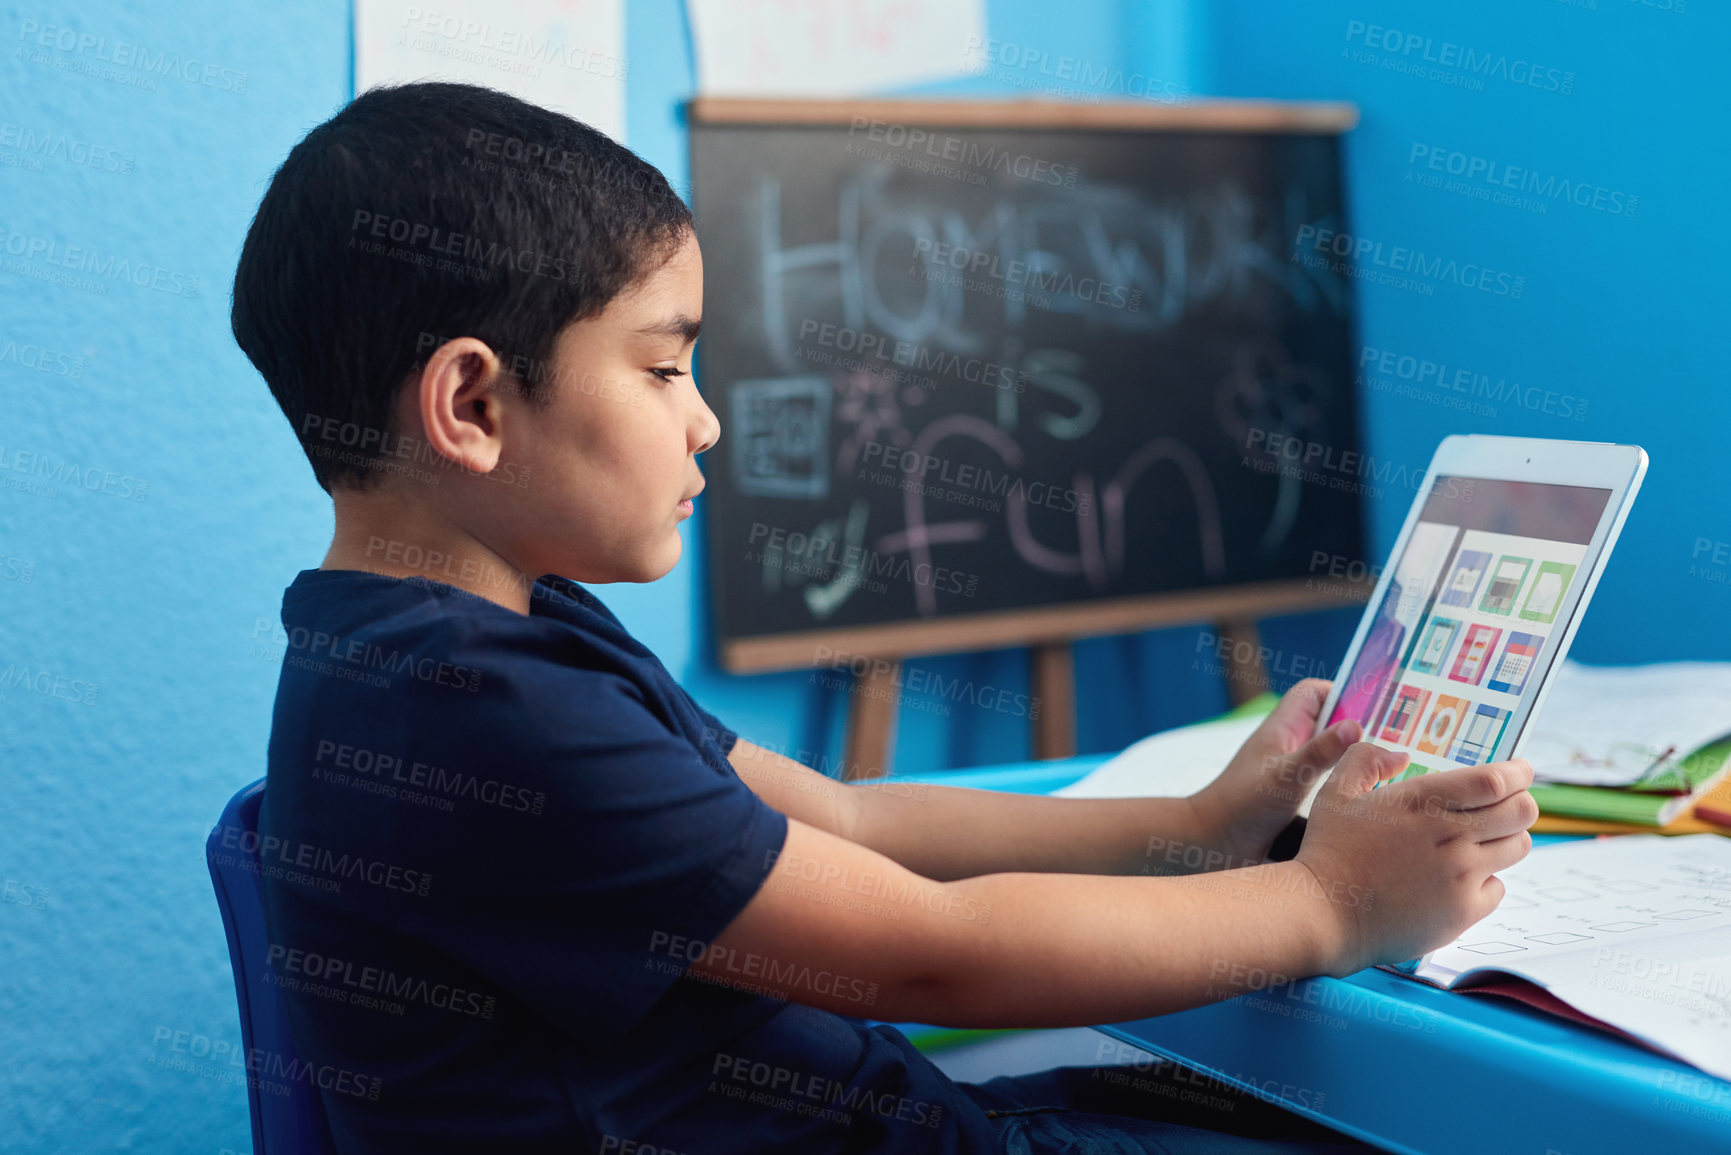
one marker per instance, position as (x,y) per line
(1418,1070)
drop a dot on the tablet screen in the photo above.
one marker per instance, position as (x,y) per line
(1491,573)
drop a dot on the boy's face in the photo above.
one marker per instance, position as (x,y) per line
(613,459)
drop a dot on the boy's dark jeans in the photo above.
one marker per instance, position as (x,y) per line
(1159,1108)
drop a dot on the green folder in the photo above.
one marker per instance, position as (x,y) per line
(1688,778)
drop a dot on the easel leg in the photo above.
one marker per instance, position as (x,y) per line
(871,721)
(1246,677)
(1053,700)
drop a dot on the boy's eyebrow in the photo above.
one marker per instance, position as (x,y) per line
(678,325)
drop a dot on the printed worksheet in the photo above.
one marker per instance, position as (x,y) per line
(1634,930)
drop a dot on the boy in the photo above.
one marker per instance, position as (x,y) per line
(529,895)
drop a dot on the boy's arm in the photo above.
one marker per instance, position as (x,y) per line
(949,832)
(842,928)
(1383,875)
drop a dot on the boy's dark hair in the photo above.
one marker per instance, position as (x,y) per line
(424,212)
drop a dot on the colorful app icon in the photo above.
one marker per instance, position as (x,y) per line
(1509,675)
(1433,649)
(1442,725)
(1545,596)
(1480,735)
(1413,770)
(1463,583)
(1409,703)
(1505,584)
(1475,653)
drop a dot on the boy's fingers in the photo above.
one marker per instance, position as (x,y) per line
(1492,896)
(1323,751)
(1361,767)
(1472,787)
(1307,696)
(1295,713)
(1502,853)
(1388,762)
(1500,819)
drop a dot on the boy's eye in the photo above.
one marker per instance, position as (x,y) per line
(668,374)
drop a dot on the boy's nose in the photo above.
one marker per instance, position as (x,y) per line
(708,427)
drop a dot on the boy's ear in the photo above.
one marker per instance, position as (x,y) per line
(459,408)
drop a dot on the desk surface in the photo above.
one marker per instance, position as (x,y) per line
(1414,1069)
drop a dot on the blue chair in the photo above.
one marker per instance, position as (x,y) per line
(291,1124)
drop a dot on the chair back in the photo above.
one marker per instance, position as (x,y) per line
(288,1117)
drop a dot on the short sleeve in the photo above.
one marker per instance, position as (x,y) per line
(713,726)
(621,846)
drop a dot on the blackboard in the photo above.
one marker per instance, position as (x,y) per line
(973,362)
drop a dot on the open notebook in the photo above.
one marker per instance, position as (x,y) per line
(1633,931)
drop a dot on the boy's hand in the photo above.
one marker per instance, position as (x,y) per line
(1406,868)
(1256,796)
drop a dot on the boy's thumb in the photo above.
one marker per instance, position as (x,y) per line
(1362,767)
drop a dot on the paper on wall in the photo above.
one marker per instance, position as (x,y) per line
(832,47)
(567,55)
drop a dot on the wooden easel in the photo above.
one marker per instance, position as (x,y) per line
(875,694)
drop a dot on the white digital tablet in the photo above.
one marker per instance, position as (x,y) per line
(1481,597)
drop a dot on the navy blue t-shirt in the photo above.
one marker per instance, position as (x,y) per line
(492,845)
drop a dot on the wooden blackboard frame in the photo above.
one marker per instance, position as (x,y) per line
(1048,629)
(1011,629)
(1308,117)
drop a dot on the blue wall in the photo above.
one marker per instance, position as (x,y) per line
(138,580)
(178,505)
(1617,311)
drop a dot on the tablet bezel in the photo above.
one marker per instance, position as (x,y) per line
(1479,456)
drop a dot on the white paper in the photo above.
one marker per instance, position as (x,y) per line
(833,47)
(1607,725)
(1171,764)
(567,55)
(1634,930)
